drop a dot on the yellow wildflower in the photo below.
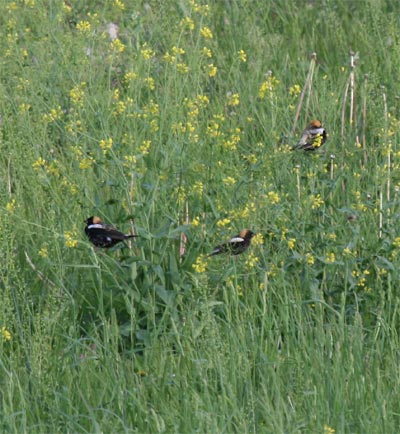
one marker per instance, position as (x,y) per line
(396,242)
(106,145)
(251,260)
(150,83)
(206,52)
(119,5)
(6,335)
(117,46)
(328,430)
(206,32)
(54,115)
(316,201)
(348,252)
(187,23)
(70,240)
(273,197)
(86,162)
(295,90)
(223,222)
(83,26)
(44,252)
(147,52)
(182,68)
(145,147)
(169,58)
(130,76)
(268,86)
(257,240)
(310,259)
(39,163)
(130,159)
(242,56)
(212,70)
(233,99)
(196,222)
(200,266)
(23,108)
(198,187)
(77,93)
(229,180)
(330,258)
(10,206)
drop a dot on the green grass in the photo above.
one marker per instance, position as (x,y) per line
(297,335)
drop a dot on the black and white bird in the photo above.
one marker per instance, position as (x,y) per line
(313,137)
(236,245)
(104,235)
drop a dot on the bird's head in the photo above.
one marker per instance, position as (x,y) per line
(315,123)
(246,234)
(94,220)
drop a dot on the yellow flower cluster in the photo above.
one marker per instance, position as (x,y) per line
(252,260)
(229,180)
(77,94)
(295,90)
(396,243)
(10,206)
(106,145)
(5,334)
(206,32)
(119,5)
(53,115)
(117,46)
(224,222)
(200,9)
(212,70)
(316,201)
(273,198)
(257,240)
(39,163)
(147,52)
(361,278)
(242,56)
(206,52)
(268,86)
(310,259)
(44,252)
(83,26)
(328,430)
(200,266)
(330,258)
(233,99)
(187,23)
(144,149)
(70,239)
(196,222)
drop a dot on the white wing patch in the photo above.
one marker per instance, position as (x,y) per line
(317,131)
(96,226)
(236,240)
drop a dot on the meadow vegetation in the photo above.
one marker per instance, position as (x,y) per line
(176,120)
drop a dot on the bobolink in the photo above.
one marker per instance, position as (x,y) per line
(236,245)
(313,137)
(103,235)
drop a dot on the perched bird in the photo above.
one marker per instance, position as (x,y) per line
(103,235)
(236,245)
(313,137)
